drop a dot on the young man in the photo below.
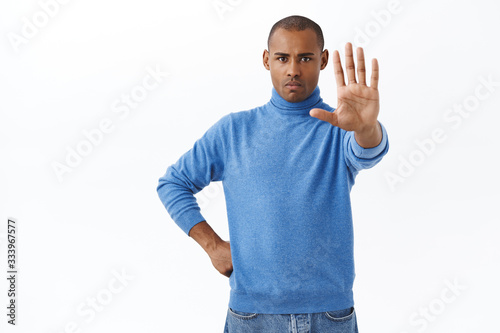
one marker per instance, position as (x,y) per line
(287,168)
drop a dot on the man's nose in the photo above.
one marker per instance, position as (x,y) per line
(293,68)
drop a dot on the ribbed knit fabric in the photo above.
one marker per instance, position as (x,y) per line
(287,178)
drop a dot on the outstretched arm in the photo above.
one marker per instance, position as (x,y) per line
(358,104)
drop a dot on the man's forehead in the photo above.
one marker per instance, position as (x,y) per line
(302,41)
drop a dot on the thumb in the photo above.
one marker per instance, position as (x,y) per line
(321,114)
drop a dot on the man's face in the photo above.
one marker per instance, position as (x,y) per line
(295,60)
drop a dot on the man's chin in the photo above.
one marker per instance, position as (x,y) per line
(294,96)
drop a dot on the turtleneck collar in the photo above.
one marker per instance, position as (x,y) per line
(299,108)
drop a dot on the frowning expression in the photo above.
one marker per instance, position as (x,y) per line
(295,60)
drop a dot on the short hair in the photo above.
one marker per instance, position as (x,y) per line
(298,23)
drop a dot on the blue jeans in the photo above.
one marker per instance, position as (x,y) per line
(340,321)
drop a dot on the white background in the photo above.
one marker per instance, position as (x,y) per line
(437,226)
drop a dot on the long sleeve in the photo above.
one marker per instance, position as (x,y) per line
(193,171)
(358,158)
(287,181)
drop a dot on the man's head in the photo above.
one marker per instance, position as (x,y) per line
(295,57)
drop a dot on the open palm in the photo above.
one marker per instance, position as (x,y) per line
(358,104)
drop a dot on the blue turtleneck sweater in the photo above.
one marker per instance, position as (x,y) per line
(287,178)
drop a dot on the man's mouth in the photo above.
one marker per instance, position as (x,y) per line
(293,84)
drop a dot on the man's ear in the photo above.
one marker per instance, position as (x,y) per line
(324,59)
(265,59)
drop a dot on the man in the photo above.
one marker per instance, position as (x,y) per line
(287,168)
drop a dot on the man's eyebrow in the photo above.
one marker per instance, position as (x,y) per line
(300,54)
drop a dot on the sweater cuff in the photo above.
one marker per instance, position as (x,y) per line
(368,153)
(189,219)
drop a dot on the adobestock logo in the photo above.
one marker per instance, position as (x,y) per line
(95,136)
(208,194)
(453,116)
(224,6)
(421,319)
(371,29)
(31,27)
(88,310)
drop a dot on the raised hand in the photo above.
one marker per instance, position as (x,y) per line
(358,104)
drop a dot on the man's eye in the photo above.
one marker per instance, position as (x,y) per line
(282,59)
(306,59)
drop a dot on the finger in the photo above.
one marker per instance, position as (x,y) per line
(349,64)
(321,114)
(374,81)
(337,68)
(361,66)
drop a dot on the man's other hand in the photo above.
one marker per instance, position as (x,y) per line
(221,258)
